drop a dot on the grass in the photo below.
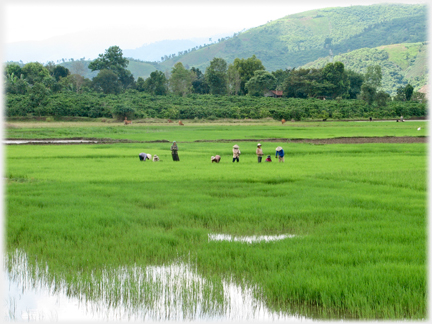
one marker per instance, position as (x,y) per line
(209,131)
(358,213)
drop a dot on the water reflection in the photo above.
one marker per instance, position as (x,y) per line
(157,293)
(248,239)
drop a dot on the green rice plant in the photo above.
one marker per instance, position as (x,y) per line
(357,213)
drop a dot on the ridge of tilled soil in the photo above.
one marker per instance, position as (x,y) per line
(336,140)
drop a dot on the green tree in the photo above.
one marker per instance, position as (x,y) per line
(34,72)
(373,76)
(408,91)
(156,84)
(199,84)
(107,82)
(381,98)
(140,84)
(355,82)
(335,79)
(216,76)
(60,72)
(260,83)
(114,61)
(233,80)
(181,79)
(368,93)
(246,69)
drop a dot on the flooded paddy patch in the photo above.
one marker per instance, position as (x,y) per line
(173,292)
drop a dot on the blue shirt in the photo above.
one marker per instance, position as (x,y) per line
(280,153)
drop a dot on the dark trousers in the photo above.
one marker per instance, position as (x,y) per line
(236,158)
(259,159)
(175,157)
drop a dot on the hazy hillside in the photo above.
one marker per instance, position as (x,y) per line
(400,64)
(155,51)
(295,40)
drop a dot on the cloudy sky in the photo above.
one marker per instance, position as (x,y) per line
(148,20)
(91,26)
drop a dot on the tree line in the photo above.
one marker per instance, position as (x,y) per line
(40,86)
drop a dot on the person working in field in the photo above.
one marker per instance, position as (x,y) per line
(259,152)
(280,153)
(174,151)
(144,156)
(236,153)
(268,158)
(215,158)
(155,158)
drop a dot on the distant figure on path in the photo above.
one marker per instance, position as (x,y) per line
(142,156)
(127,122)
(236,153)
(180,123)
(259,152)
(268,158)
(215,158)
(174,151)
(283,121)
(280,153)
(155,158)
(401,119)
(370,118)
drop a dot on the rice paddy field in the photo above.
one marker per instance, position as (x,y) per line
(349,220)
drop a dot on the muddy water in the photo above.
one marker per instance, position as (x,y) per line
(158,293)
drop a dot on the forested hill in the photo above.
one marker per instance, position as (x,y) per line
(295,40)
(400,64)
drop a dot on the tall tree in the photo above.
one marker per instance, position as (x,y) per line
(246,69)
(373,76)
(234,80)
(335,80)
(216,76)
(114,61)
(34,72)
(261,82)
(199,83)
(156,84)
(180,81)
(107,82)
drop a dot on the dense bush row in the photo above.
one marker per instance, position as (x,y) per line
(134,104)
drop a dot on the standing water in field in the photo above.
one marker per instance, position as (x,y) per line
(157,293)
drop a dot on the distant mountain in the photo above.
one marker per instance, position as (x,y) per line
(400,64)
(297,39)
(156,51)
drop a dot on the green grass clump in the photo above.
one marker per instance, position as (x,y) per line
(358,213)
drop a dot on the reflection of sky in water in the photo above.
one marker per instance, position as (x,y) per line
(248,239)
(172,293)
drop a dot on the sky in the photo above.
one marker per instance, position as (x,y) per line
(131,24)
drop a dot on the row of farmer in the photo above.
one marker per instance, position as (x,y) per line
(259,152)
(236,154)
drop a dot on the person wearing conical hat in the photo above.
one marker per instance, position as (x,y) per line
(280,153)
(215,158)
(259,152)
(142,156)
(236,153)
(174,151)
